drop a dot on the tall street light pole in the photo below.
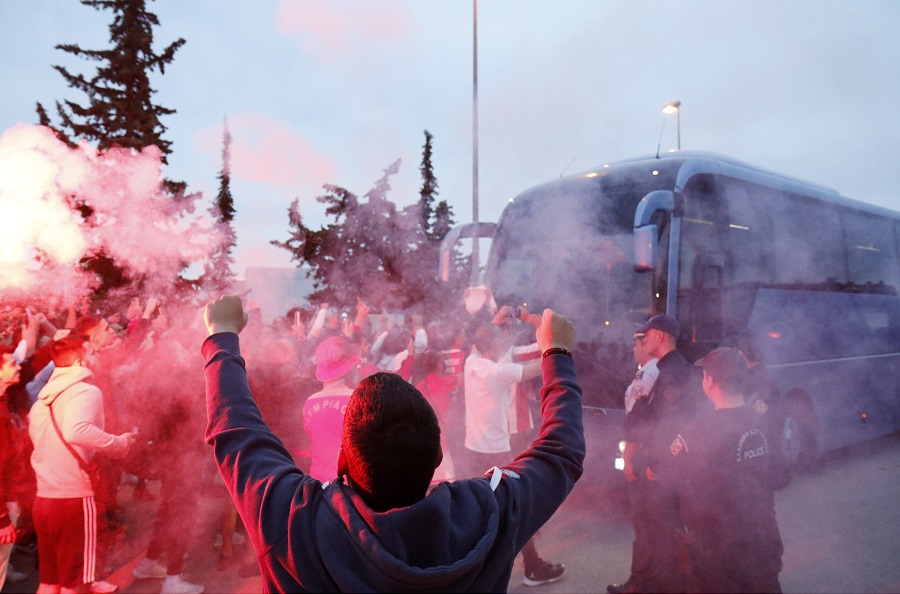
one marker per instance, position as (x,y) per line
(475,257)
(675,107)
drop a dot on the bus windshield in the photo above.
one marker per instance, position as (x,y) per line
(568,245)
(588,278)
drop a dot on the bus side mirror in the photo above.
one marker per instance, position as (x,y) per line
(663,200)
(646,235)
(645,248)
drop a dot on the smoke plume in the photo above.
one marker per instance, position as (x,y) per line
(60,204)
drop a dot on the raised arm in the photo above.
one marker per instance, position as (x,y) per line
(549,469)
(257,469)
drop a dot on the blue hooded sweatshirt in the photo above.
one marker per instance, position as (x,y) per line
(463,536)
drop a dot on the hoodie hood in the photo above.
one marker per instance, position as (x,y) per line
(428,546)
(62,378)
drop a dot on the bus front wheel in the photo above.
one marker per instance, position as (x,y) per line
(799,445)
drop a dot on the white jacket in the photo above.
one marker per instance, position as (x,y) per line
(78,409)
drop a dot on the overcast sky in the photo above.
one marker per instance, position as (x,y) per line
(333,91)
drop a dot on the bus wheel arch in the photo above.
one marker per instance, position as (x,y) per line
(799,438)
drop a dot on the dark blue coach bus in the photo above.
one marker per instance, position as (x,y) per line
(731,250)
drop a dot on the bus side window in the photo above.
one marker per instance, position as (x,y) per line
(871,254)
(807,255)
(749,233)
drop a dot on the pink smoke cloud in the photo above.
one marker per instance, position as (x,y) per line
(268,151)
(336,28)
(134,221)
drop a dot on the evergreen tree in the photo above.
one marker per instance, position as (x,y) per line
(443,221)
(437,220)
(372,250)
(428,191)
(120,109)
(218,275)
(224,200)
(368,251)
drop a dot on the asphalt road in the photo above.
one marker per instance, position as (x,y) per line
(840,524)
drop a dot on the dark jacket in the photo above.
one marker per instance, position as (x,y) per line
(675,400)
(727,467)
(463,536)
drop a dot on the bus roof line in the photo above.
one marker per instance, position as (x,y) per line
(777,181)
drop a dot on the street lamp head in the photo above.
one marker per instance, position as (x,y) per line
(671,107)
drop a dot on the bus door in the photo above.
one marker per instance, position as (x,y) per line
(702,265)
(705,302)
(653,224)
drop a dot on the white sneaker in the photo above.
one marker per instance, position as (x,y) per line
(103,587)
(149,569)
(174,584)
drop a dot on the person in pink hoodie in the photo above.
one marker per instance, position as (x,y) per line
(69,408)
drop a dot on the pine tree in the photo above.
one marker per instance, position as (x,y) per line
(224,200)
(443,221)
(120,109)
(436,221)
(389,257)
(428,191)
(368,251)
(219,275)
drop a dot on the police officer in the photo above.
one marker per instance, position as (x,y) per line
(729,467)
(651,426)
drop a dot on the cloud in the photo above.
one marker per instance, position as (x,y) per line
(268,151)
(342,28)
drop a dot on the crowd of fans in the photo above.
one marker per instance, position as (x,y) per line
(304,365)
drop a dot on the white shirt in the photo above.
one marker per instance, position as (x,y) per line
(487,391)
(641,384)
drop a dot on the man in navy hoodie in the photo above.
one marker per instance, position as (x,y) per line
(374,528)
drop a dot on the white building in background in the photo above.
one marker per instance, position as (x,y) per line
(276,290)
